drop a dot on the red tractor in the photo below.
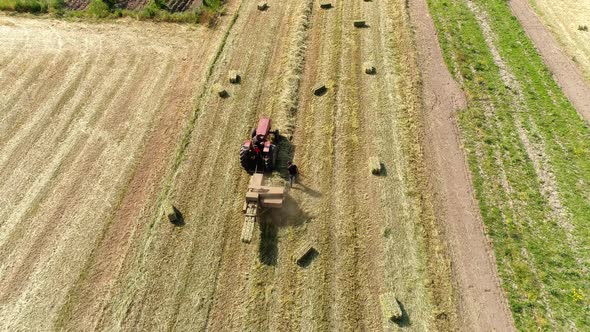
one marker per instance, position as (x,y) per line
(259,154)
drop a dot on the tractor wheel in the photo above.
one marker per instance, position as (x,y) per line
(269,162)
(275,154)
(245,158)
(253,132)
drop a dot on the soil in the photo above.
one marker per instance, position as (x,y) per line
(567,74)
(483,306)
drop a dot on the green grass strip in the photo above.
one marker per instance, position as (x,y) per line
(543,276)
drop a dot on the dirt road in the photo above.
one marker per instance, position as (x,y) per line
(483,306)
(567,74)
(131,119)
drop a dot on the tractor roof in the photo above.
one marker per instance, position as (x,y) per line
(263,127)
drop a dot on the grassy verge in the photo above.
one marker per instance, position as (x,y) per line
(156,10)
(543,265)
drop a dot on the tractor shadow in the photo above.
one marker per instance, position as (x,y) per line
(290,215)
(268,251)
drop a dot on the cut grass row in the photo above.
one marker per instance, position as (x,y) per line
(543,265)
(207,13)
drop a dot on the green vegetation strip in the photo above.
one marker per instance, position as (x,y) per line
(543,265)
(207,13)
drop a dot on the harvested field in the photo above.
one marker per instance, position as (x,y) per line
(123,193)
(90,116)
(575,41)
(87,241)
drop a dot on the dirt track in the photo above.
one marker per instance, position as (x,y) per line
(482,304)
(130,120)
(566,72)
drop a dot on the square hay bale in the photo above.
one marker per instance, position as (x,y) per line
(170,212)
(319,89)
(262,6)
(234,77)
(247,230)
(325,4)
(375,165)
(220,90)
(359,23)
(369,68)
(390,307)
(304,254)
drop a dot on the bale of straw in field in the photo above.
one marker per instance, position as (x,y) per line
(390,306)
(234,77)
(220,90)
(369,68)
(325,4)
(319,89)
(375,165)
(262,6)
(247,230)
(304,254)
(359,23)
(170,212)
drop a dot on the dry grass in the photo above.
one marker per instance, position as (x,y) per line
(567,31)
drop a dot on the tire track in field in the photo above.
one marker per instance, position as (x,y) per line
(228,252)
(281,291)
(115,159)
(91,293)
(15,46)
(128,297)
(22,125)
(77,133)
(43,137)
(37,192)
(14,93)
(314,154)
(73,189)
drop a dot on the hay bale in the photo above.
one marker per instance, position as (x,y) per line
(262,6)
(170,212)
(359,23)
(369,68)
(247,230)
(375,165)
(319,89)
(220,90)
(325,4)
(304,254)
(234,77)
(390,307)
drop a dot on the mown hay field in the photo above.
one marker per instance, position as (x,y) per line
(104,124)
(570,31)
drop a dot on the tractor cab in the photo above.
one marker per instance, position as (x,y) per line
(259,154)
